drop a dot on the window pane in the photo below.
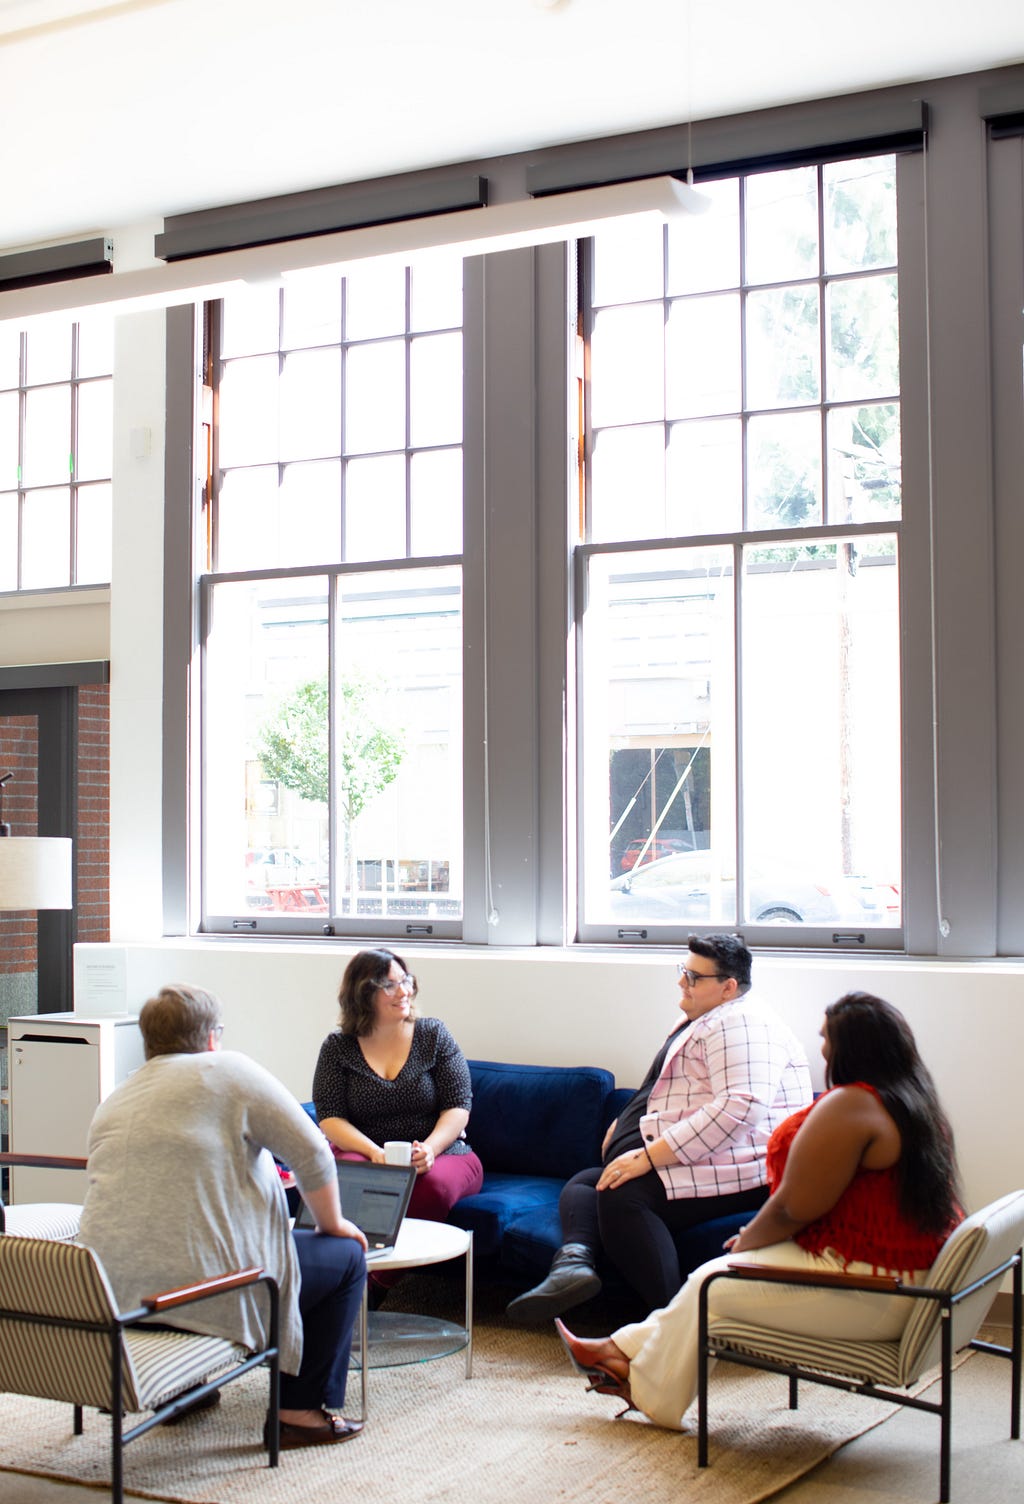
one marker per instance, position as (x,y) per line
(93,536)
(702,357)
(627,484)
(398,766)
(248,411)
(864,354)
(783,347)
(311,405)
(312,310)
(374,300)
(658,749)
(10,356)
(95,430)
(627,365)
(375,508)
(250,321)
(864,463)
(48,346)
(248,518)
(705,477)
(8,541)
(782,225)
(8,439)
(435,390)
(437,293)
(436,502)
(704,249)
(375,397)
(46,539)
(629,262)
(96,345)
(821,802)
(47,452)
(266,748)
(784,470)
(860,214)
(310,498)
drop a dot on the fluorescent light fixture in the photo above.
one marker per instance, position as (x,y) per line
(35,872)
(497,227)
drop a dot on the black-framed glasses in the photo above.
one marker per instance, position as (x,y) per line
(408,983)
(693,977)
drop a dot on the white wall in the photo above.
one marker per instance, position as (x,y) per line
(609,1009)
(55,627)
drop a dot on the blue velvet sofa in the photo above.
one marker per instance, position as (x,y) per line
(534,1127)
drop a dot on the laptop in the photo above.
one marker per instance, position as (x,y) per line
(374,1197)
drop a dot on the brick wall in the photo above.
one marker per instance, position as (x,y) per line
(92,847)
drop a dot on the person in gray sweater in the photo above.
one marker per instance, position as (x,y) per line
(182,1185)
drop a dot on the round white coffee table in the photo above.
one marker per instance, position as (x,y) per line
(391,1338)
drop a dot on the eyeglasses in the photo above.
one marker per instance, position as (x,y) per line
(408,983)
(693,977)
(217,1030)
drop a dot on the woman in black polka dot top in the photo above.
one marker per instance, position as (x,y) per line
(387,1074)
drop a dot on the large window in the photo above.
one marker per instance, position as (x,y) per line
(55,454)
(740,622)
(333,685)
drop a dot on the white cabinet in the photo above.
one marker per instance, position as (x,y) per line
(60,1068)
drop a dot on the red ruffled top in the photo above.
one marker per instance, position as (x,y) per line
(866,1223)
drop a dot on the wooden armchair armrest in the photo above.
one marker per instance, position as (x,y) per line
(235,1280)
(888,1283)
(44,1161)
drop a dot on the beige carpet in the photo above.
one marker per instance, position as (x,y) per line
(521,1430)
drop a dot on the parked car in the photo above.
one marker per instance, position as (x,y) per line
(685,887)
(635,854)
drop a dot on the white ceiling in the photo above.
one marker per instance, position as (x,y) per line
(116,112)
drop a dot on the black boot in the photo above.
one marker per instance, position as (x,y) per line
(571,1280)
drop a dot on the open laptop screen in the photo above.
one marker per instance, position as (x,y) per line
(374,1197)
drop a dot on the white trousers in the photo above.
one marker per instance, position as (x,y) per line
(662,1350)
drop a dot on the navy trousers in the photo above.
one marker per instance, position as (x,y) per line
(333,1275)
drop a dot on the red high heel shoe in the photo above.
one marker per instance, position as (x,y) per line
(603,1380)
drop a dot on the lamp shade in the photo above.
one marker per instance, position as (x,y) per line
(35,872)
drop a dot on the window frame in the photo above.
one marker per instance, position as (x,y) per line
(74,382)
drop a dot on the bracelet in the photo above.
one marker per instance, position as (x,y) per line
(650,1161)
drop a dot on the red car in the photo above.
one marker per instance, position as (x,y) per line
(660,846)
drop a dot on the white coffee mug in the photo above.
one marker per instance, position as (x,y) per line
(398,1151)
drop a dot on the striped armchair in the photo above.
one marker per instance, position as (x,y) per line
(63,1338)
(948,1311)
(41,1219)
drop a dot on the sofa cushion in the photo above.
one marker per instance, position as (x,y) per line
(531,1241)
(542,1120)
(504,1198)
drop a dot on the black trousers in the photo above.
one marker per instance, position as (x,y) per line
(636,1226)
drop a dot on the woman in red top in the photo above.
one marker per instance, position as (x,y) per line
(863,1180)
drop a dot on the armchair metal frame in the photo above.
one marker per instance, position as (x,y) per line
(726,1349)
(122,1383)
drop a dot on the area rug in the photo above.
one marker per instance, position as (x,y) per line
(523,1429)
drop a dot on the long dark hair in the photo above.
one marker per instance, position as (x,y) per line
(358,992)
(870,1041)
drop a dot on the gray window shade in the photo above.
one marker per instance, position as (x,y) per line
(321,211)
(744,144)
(1003,108)
(56,263)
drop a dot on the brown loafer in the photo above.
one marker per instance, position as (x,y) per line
(334,1430)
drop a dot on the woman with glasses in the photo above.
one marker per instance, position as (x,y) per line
(864,1182)
(387,1074)
(690,1145)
